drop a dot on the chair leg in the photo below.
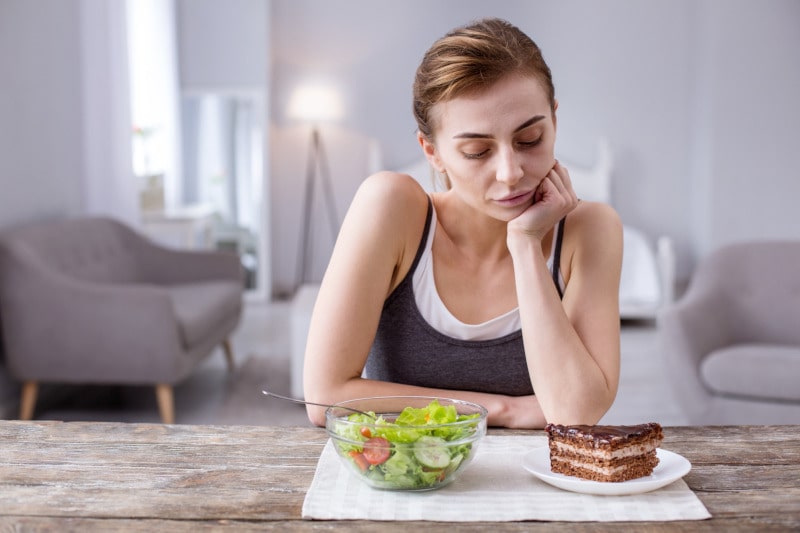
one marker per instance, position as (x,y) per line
(166,403)
(30,390)
(226,346)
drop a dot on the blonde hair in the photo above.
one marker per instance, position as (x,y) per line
(470,59)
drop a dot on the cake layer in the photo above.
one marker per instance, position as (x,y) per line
(621,456)
(606,436)
(604,453)
(592,472)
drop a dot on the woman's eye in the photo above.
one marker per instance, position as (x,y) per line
(475,155)
(528,144)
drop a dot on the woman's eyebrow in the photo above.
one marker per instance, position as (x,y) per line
(470,135)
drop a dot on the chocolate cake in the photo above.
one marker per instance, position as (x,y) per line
(604,453)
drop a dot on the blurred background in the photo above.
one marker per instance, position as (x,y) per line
(180,108)
(247,125)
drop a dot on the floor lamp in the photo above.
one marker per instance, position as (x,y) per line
(317,161)
(315,104)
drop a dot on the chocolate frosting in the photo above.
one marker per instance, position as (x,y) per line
(603,433)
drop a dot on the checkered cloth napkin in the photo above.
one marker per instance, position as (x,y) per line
(494,488)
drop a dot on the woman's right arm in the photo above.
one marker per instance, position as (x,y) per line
(374,250)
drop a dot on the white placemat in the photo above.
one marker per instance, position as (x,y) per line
(494,488)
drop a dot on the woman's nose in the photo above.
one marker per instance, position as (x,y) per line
(509,167)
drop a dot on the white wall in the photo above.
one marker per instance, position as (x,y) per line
(64,124)
(752,101)
(222,44)
(699,99)
(41,119)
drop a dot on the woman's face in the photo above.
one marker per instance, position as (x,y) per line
(495,146)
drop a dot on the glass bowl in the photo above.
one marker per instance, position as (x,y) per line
(406,442)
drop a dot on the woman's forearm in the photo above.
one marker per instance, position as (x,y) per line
(569,384)
(504,411)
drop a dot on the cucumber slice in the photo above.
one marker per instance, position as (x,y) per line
(432,452)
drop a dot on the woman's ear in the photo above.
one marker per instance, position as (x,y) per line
(429,149)
(555,108)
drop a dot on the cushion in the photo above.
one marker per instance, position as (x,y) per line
(761,371)
(200,307)
(639,283)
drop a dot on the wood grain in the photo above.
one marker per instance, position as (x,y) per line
(152,477)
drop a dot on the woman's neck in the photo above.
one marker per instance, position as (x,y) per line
(472,233)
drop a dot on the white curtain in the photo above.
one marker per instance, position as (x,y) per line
(109,187)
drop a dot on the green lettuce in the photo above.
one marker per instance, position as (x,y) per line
(402,470)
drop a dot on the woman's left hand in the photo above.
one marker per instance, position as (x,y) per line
(553,199)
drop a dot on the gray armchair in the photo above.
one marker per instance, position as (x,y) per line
(90,301)
(731,344)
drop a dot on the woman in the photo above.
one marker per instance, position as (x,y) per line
(501,285)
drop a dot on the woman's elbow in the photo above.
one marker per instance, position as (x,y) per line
(316,415)
(589,414)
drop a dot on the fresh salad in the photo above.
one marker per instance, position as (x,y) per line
(417,450)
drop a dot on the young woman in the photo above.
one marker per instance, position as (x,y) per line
(503,288)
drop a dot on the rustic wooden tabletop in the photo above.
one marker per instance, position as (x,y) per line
(150,477)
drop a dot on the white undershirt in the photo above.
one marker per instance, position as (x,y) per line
(441,319)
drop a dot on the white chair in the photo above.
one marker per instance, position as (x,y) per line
(731,343)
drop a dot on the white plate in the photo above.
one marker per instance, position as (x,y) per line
(671,467)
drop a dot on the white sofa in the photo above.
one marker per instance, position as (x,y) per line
(300,318)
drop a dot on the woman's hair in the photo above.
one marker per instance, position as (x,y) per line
(470,59)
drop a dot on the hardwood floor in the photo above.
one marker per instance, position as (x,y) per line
(213,395)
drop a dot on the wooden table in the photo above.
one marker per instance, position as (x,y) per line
(150,477)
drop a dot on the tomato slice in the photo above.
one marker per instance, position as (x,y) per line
(377,450)
(359,460)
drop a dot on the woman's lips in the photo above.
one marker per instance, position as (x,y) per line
(516,199)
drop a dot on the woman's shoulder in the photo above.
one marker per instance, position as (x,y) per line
(391,194)
(594,229)
(394,183)
(594,219)
(388,213)
(592,237)
(391,206)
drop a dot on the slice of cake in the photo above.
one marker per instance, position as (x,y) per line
(604,453)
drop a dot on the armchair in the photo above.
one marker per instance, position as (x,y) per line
(731,344)
(90,301)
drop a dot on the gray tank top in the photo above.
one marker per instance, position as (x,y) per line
(408,350)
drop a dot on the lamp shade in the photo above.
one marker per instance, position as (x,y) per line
(315,103)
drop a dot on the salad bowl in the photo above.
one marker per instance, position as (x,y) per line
(406,442)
